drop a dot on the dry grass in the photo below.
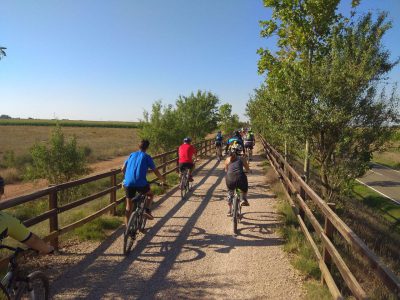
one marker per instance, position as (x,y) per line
(104,142)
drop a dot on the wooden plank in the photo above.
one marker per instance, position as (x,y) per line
(25,198)
(40,218)
(85,200)
(87,179)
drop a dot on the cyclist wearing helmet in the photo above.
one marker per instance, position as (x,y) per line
(235,138)
(135,171)
(186,154)
(249,140)
(10,226)
(218,143)
(235,176)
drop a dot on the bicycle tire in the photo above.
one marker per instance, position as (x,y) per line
(130,233)
(235,214)
(36,287)
(183,186)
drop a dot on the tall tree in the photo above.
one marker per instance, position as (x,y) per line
(322,85)
(228,122)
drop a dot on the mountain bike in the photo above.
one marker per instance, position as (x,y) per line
(236,209)
(137,221)
(185,183)
(15,285)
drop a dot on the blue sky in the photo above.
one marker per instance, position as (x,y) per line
(110,60)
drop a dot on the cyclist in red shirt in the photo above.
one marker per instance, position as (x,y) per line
(186,153)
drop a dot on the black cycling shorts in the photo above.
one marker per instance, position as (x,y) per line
(249,145)
(234,181)
(183,166)
(218,144)
(130,192)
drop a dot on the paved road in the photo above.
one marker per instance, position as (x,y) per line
(190,253)
(383,180)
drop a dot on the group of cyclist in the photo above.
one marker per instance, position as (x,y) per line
(135,170)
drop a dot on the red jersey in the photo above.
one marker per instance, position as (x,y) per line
(186,152)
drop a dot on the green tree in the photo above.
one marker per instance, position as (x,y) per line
(58,161)
(322,85)
(162,127)
(228,122)
(198,114)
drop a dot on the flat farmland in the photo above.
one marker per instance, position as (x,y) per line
(105,143)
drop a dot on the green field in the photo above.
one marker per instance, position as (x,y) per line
(68,123)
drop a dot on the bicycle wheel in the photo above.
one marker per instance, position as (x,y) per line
(36,287)
(130,232)
(235,213)
(184,182)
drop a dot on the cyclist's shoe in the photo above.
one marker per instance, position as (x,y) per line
(191,178)
(147,214)
(245,203)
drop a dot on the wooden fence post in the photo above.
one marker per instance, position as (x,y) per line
(328,230)
(53,220)
(291,181)
(163,161)
(206,146)
(113,193)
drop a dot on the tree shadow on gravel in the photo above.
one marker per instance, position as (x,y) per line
(75,275)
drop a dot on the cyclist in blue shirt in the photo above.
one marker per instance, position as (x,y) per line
(135,170)
(218,144)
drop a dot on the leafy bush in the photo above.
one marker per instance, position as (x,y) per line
(58,161)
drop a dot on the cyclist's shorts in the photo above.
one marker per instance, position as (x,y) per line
(234,181)
(130,192)
(249,145)
(218,144)
(184,166)
(10,226)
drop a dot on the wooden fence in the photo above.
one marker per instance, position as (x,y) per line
(166,162)
(297,192)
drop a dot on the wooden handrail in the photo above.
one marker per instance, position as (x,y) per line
(386,275)
(52,194)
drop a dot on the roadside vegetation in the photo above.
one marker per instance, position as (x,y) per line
(322,101)
(390,155)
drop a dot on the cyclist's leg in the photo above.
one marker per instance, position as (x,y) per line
(129,195)
(244,187)
(149,200)
(230,184)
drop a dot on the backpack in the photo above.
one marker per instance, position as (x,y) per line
(218,138)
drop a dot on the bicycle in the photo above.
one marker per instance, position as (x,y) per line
(218,151)
(17,286)
(137,221)
(236,209)
(185,183)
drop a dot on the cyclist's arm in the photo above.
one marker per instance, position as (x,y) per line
(38,244)
(123,169)
(158,174)
(227,161)
(245,165)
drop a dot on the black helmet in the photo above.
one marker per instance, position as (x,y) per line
(187,140)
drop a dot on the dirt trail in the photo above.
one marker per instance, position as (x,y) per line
(189,251)
(17,189)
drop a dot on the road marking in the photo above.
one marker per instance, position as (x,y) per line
(386,196)
(386,167)
(376,172)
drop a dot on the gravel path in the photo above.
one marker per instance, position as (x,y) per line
(189,251)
